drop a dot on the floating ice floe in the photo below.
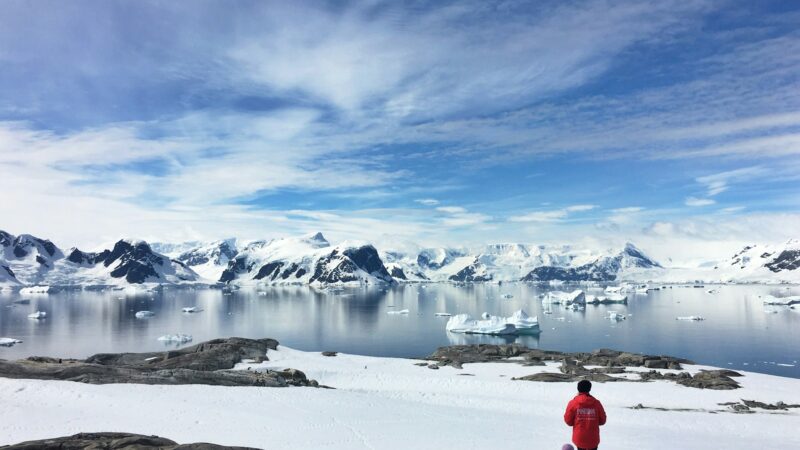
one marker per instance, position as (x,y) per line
(37,315)
(402,311)
(695,318)
(771,311)
(9,342)
(191,309)
(564,298)
(606,299)
(443,314)
(616,316)
(783,301)
(176,338)
(506,296)
(576,307)
(35,290)
(144,314)
(517,323)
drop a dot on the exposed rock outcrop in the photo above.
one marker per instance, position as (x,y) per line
(206,363)
(116,441)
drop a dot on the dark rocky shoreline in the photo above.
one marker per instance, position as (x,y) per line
(116,441)
(206,363)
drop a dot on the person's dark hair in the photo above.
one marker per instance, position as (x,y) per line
(584,386)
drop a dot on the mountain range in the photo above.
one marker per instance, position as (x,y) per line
(27,260)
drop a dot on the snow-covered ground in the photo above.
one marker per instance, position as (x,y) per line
(385,403)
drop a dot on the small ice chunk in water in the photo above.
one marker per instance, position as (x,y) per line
(695,318)
(37,315)
(177,338)
(191,309)
(144,314)
(443,314)
(402,311)
(9,342)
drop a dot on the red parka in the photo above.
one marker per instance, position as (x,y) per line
(585,414)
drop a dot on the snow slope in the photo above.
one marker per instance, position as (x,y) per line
(385,403)
(209,259)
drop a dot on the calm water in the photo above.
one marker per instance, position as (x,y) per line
(737,332)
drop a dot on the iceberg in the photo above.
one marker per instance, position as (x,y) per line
(524,323)
(402,311)
(627,287)
(37,315)
(517,323)
(606,299)
(9,342)
(464,323)
(144,314)
(565,298)
(616,316)
(783,301)
(176,338)
(191,309)
(695,318)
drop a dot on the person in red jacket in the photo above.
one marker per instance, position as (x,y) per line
(585,414)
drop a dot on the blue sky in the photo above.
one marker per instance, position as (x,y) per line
(431,122)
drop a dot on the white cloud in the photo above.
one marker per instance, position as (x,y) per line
(694,201)
(427,201)
(719,182)
(451,209)
(552,215)
(627,210)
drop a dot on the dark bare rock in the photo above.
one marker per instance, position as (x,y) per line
(206,363)
(569,377)
(456,355)
(330,353)
(114,441)
(574,366)
(712,379)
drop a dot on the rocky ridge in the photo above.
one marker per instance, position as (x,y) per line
(209,363)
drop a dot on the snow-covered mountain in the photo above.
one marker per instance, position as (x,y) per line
(7,278)
(762,263)
(311,259)
(209,259)
(29,260)
(514,262)
(306,260)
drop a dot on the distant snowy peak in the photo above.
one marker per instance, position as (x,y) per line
(763,263)
(306,260)
(605,268)
(136,263)
(210,259)
(514,262)
(30,248)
